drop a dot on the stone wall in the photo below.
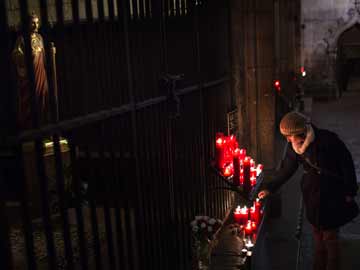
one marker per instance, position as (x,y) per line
(323,21)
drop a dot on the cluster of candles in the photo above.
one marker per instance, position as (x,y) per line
(248,218)
(233,161)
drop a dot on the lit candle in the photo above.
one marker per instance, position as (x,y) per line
(249,244)
(237,214)
(244,215)
(228,150)
(253,172)
(247,184)
(232,142)
(259,169)
(252,181)
(242,154)
(254,215)
(252,163)
(236,164)
(228,170)
(253,226)
(248,228)
(220,150)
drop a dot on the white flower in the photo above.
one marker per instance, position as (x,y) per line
(206,218)
(198,217)
(195,228)
(193,223)
(210,229)
(212,221)
(203,225)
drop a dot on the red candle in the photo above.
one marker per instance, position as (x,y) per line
(252,163)
(220,150)
(236,164)
(244,214)
(232,142)
(242,154)
(237,214)
(253,226)
(228,151)
(252,181)
(253,172)
(255,211)
(228,170)
(259,169)
(248,228)
(247,184)
(241,178)
(254,214)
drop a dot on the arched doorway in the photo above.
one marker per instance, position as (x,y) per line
(348,59)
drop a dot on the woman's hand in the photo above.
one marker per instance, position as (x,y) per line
(263,193)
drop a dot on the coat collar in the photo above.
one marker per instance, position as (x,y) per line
(310,137)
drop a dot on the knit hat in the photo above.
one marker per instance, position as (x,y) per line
(293,123)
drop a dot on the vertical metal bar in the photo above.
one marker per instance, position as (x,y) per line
(89,11)
(5,254)
(100,5)
(5,247)
(156,164)
(125,16)
(115,188)
(136,14)
(75,11)
(27,224)
(79,211)
(57,151)
(256,82)
(167,261)
(144,120)
(63,211)
(94,221)
(78,35)
(197,18)
(99,62)
(140,4)
(40,164)
(177,7)
(163,16)
(109,231)
(111,9)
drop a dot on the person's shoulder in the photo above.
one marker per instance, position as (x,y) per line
(327,136)
(327,133)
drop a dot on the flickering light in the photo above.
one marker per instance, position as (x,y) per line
(228,170)
(259,169)
(277,85)
(249,244)
(303,71)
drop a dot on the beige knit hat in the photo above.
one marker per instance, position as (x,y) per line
(293,123)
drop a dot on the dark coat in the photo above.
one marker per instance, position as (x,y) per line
(326,181)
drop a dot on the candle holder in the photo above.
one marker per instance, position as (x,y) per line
(247,196)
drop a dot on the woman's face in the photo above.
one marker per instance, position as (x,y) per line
(296,140)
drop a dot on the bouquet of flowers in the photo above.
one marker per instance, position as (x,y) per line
(204,227)
(203,230)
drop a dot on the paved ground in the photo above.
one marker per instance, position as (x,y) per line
(277,248)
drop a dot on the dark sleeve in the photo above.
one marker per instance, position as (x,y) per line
(288,167)
(347,169)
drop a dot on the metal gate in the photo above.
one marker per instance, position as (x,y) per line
(114,178)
